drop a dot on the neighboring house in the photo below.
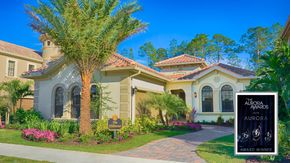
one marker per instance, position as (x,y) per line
(16,60)
(210,89)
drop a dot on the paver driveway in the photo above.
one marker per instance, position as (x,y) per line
(179,148)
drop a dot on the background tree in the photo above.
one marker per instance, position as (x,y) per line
(198,46)
(257,40)
(221,47)
(273,75)
(168,105)
(148,50)
(88,32)
(131,54)
(14,91)
(173,48)
(124,52)
(152,54)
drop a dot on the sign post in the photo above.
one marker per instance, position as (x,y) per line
(256,123)
(114,124)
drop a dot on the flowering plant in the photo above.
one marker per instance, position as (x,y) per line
(193,126)
(38,135)
(2,125)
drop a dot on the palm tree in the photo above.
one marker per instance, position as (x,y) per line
(88,32)
(274,75)
(14,91)
(168,105)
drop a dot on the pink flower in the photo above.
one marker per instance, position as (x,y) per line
(37,135)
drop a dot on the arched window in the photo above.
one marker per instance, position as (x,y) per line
(58,102)
(227,98)
(76,102)
(94,103)
(207,99)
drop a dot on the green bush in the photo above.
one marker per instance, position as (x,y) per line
(284,143)
(67,137)
(23,117)
(231,121)
(86,138)
(220,120)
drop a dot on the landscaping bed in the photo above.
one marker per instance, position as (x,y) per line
(14,137)
(28,128)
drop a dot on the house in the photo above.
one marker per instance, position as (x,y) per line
(209,89)
(16,60)
(286,32)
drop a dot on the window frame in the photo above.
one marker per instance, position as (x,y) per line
(31,64)
(222,101)
(63,101)
(202,101)
(15,67)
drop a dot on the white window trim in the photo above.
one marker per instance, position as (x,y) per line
(15,68)
(30,63)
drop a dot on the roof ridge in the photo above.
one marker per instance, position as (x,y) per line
(18,45)
(168,59)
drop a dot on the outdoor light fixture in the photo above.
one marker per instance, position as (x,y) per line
(134,90)
(195,94)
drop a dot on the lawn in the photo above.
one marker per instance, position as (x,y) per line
(14,137)
(6,159)
(219,150)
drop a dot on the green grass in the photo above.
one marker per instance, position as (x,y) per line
(14,137)
(219,150)
(6,159)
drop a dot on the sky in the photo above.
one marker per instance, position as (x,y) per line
(167,19)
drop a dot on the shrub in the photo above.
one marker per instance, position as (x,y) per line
(85,138)
(284,143)
(23,117)
(37,135)
(67,137)
(144,125)
(54,126)
(231,122)
(14,126)
(220,120)
(103,137)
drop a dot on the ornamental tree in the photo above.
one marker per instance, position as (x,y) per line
(88,32)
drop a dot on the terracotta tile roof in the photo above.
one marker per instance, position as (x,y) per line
(116,60)
(19,51)
(239,71)
(181,59)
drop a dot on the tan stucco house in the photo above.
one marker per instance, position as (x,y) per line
(209,89)
(15,60)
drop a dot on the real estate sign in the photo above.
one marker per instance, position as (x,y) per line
(256,124)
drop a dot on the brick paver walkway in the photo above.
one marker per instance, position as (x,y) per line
(180,148)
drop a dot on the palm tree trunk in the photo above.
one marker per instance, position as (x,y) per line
(161,117)
(166,118)
(7,116)
(20,103)
(85,118)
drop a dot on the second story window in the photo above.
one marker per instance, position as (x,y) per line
(11,68)
(31,67)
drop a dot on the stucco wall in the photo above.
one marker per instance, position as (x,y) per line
(67,78)
(216,80)
(21,66)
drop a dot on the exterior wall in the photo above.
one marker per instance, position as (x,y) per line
(182,69)
(69,77)
(144,85)
(27,103)
(186,87)
(21,66)
(216,80)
